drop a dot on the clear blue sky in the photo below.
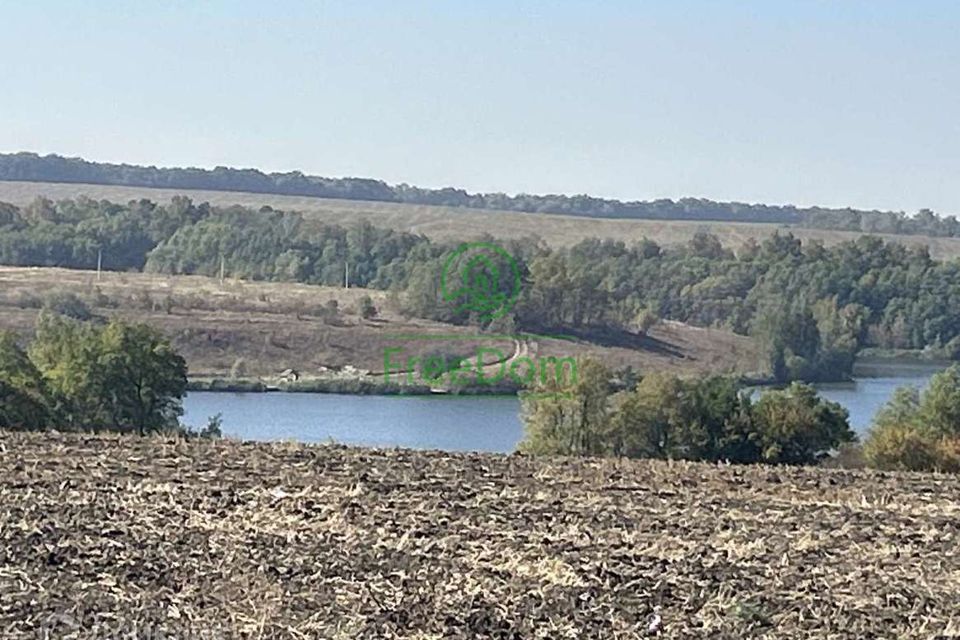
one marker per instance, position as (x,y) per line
(835,103)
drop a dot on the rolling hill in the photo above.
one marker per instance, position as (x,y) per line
(461,223)
(256,330)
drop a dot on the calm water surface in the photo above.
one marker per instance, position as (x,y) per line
(460,423)
(873,385)
(419,422)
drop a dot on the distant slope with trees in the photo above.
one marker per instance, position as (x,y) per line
(53,168)
(812,307)
(456,224)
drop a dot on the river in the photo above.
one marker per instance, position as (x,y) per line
(461,423)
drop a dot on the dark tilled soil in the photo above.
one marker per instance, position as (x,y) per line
(109,537)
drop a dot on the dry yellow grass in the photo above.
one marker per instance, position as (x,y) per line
(449,223)
(273,326)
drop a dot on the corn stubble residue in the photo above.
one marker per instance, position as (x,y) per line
(231,540)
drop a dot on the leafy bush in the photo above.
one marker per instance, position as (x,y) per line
(919,432)
(83,376)
(666,416)
(214,427)
(69,305)
(848,456)
(367,309)
(903,447)
(796,426)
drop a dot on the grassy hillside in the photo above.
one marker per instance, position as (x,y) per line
(107,536)
(269,327)
(456,223)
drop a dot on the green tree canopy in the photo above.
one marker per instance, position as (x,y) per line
(119,376)
(23,400)
(696,418)
(796,426)
(919,431)
(568,419)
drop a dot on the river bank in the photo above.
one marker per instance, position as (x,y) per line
(871,364)
(366,386)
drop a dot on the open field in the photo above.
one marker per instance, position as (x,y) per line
(105,534)
(449,223)
(259,329)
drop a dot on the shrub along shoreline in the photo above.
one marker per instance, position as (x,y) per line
(88,376)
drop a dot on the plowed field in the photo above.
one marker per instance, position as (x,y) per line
(104,537)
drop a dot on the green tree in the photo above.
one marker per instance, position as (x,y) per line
(902,408)
(670,417)
(645,420)
(841,331)
(784,334)
(919,432)
(644,320)
(694,419)
(119,376)
(65,352)
(568,419)
(940,404)
(23,401)
(901,446)
(144,378)
(796,426)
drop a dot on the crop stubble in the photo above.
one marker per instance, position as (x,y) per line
(243,540)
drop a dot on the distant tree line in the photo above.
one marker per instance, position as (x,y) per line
(182,237)
(812,307)
(53,168)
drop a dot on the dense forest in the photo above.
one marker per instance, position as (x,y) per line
(53,168)
(813,307)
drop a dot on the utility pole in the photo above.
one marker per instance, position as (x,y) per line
(221,269)
(346,275)
(99,262)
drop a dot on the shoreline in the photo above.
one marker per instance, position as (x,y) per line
(375,386)
(342,386)
(365,387)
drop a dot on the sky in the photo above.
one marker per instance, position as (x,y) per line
(834,103)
